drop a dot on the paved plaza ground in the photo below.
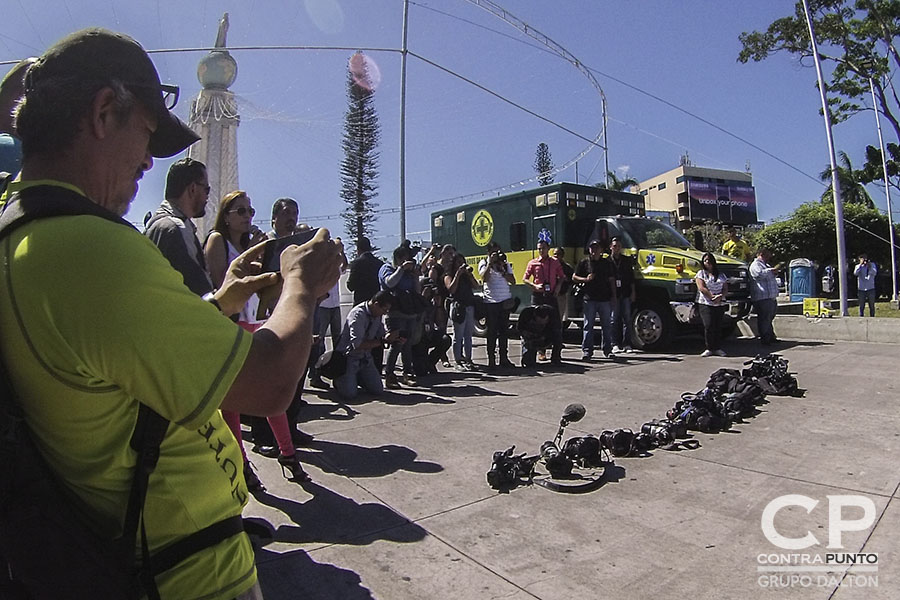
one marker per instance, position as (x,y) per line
(399,507)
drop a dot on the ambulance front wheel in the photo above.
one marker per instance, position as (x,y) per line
(654,326)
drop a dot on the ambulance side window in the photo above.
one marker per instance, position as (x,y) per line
(518,238)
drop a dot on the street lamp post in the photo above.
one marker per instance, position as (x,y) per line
(835,184)
(887,193)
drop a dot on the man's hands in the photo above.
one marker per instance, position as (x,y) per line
(314,267)
(394,337)
(242,280)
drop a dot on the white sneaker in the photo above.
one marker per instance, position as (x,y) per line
(706,353)
(629,349)
(720,353)
(616,350)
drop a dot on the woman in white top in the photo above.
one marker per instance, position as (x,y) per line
(497,275)
(712,287)
(233,233)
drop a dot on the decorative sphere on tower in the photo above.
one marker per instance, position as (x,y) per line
(218,70)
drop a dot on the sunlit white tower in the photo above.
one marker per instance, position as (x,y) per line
(214,116)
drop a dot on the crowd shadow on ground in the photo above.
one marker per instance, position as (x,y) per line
(289,575)
(351,460)
(330,518)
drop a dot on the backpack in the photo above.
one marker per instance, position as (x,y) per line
(47,540)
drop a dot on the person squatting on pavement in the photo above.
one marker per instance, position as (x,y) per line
(362,332)
(596,274)
(497,275)
(539,330)
(105,325)
(764,294)
(544,275)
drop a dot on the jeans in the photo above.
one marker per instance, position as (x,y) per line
(712,325)
(591,309)
(397,321)
(623,326)
(866,296)
(462,336)
(360,371)
(497,328)
(765,314)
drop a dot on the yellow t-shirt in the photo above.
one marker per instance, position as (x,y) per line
(737,249)
(93,320)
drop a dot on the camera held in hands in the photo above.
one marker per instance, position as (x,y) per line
(271,262)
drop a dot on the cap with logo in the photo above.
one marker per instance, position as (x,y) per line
(99,55)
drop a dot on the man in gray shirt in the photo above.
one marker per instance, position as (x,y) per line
(171,228)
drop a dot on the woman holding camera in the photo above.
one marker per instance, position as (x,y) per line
(233,233)
(461,285)
(712,287)
(497,275)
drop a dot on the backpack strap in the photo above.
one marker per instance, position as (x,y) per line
(46,201)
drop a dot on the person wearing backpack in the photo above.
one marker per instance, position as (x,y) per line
(102,329)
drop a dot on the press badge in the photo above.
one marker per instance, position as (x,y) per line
(618,283)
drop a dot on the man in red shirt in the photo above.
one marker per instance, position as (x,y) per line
(545,275)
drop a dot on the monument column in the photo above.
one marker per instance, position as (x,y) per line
(214,116)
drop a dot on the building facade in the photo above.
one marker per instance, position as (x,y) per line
(694,195)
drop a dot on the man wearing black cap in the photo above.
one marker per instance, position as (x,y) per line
(98,321)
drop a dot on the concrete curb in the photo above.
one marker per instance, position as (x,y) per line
(843,329)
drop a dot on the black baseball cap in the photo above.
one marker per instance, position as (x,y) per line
(101,55)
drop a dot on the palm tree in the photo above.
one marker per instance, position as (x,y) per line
(616,184)
(853,191)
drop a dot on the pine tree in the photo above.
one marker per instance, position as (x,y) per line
(543,164)
(359,167)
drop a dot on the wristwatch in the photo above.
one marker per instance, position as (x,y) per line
(209,297)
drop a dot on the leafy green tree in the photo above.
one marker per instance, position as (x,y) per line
(853,190)
(359,167)
(856,38)
(809,233)
(614,183)
(543,164)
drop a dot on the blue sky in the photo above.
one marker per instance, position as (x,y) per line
(461,140)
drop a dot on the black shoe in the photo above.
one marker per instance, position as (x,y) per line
(319,383)
(253,482)
(291,469)
(300,438)
(267,451)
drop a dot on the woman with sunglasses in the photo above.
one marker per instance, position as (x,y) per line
(712,287)
(233,233)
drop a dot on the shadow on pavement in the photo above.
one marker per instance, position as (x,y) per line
(331,518)
(359,461)
(296,575)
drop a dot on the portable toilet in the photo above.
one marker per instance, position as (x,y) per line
(802,279)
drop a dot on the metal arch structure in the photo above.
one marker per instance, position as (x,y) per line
(503,14)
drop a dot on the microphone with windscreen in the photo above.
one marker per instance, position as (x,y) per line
(572,414)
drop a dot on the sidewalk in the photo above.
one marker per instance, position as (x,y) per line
(400,508)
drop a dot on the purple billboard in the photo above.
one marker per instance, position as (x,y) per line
(727,203)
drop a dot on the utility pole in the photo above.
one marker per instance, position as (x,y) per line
(887,193)
(835,184)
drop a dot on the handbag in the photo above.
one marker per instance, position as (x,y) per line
(332,364)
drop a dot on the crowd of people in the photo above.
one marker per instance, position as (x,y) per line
(187,325)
